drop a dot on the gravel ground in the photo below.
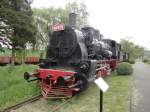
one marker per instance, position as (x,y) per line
(41,105)
(141,88)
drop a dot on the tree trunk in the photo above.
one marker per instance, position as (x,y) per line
(34,47)
(13,56)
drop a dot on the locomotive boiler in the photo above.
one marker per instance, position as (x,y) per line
(75,57)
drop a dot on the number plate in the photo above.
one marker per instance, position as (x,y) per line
(58,27)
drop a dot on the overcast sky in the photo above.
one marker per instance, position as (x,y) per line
(115,19)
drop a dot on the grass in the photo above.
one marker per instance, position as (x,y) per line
(116,99)
(13,88)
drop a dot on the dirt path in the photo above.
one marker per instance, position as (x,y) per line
(141,88)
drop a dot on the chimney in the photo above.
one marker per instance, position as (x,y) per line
(72,19)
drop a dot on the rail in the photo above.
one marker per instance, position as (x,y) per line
(18,105)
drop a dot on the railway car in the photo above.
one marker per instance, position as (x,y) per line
(32,60)
(4,60)
(75,57)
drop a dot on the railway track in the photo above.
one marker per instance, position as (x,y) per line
(18,105)
(55,107)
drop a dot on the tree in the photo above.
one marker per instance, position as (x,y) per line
(80,10)
(16,15)
(46,17)
(133,50)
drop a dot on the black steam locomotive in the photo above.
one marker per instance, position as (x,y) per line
(74,58)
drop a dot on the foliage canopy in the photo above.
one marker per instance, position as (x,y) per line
(16,15)
(46,17)
(133,50)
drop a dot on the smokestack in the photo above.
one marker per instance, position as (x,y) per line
(72,19)
(97,34)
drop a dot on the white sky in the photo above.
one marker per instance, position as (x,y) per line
(115,19)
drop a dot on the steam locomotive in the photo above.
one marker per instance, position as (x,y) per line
(75,57)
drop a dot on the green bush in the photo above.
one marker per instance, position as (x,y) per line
(146,60)
(132,61)
(124,68)
(126,60)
